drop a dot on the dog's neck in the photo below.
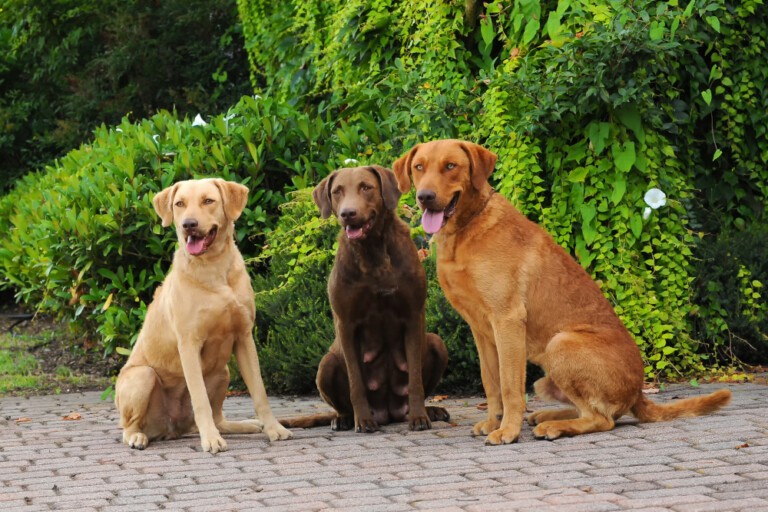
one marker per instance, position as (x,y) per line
(475,207)
(371,255)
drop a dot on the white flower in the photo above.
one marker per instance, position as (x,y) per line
(198,121)
(119,130)
(350,161)
(256,97)
(646,212)
(655,198)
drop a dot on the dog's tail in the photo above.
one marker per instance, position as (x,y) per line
(647,411)
(315,420)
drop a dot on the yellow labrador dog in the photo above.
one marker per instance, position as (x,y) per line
(176,378)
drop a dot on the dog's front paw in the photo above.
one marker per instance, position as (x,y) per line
(503,436)
(136,440)
(366,425)
(484,428)
(276,432)
(420,423)
(213,444)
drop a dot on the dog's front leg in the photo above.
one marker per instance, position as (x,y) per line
(248,361)
(509,333)
(210,439)
(364,421)
(414,348)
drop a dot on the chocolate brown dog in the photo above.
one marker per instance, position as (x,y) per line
(382,361)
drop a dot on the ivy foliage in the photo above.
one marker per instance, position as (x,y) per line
(588,104)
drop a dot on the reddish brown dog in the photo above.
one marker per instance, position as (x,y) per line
(524,298)
(382,362)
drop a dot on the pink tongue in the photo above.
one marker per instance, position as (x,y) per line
(432,221)
(195,246)
(353,233)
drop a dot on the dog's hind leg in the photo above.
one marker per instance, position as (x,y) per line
(139,398)
(333,385)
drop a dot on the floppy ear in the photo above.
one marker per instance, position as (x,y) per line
(234,197)
(163,203)
(402,168)
(322,195)
(482,162)
(389,190)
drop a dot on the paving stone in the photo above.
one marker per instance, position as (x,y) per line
(713,463)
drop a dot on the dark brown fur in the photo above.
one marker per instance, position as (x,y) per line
(382,362)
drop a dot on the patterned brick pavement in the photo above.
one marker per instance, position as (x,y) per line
(718,463)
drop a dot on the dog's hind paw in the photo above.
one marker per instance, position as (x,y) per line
(277,432)
(438,413)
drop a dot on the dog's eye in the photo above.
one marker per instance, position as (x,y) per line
(179,204)
(365,188)
(336,191)
(209,201)
(450,166)
(419,167)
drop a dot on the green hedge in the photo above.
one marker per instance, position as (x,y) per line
(82,239)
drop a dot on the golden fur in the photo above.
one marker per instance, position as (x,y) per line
(524,298)
(176,377)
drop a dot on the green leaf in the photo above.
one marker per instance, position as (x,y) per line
(578,174)
(619,188)
(718,153)
(707,95)
(624,155)
(636,225)
(598,134)
(629,116)
(714,23)
(531,29)
(486,30)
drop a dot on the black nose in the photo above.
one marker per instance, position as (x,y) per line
(348,213)
(189,224)
(425,196)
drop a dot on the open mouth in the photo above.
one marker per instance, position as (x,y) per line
(197,244)
(358,232)
(433,220)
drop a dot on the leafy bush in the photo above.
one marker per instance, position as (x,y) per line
(82,239)
(729,295)
(69,65)
(293,315)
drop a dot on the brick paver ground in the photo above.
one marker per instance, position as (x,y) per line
(717,462)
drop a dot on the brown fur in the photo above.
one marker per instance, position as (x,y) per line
(524,298)
(382,362)
(176,378)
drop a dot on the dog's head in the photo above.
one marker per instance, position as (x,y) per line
(446,173)
(204,212)
(358,197)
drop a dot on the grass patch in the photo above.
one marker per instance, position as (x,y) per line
(44,359)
